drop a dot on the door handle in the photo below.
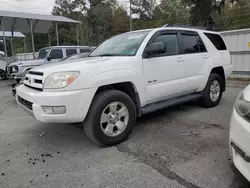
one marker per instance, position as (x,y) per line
(205,57)
(179,61)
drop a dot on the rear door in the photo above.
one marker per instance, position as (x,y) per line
(70,51)
(196,58)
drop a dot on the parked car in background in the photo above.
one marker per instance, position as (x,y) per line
(20,77)
(46,55)
(129,75)
(239,135)
(2,69)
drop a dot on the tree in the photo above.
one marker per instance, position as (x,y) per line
(172,11)
(203,12)
(120,20)
(100,19)
(143,8)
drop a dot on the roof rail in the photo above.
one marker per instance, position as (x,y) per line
(186,26)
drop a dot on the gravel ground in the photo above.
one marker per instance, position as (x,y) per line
(184,146)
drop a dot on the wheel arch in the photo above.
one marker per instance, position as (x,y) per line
(220,71)
(128,88)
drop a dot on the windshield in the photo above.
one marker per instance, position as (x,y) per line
(125,44)
(42,53)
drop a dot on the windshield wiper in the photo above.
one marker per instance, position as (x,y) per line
(109,55)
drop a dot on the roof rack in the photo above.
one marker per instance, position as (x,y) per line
(186,26)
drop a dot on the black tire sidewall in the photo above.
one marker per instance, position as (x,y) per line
(4,74)
(116,96)
(207,101)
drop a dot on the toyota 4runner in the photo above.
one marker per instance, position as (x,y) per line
(128,75)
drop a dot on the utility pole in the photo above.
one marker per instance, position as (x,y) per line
(130,13)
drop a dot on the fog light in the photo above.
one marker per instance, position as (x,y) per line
(60,110)
(54,109)
(48,109)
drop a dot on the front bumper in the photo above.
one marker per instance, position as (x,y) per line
(76,102)
(239,143)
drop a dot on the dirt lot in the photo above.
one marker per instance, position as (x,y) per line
(185,146)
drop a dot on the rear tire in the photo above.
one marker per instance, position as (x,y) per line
(213,91)
(111,118)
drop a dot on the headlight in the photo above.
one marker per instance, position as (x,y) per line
(60,79)
(243,107)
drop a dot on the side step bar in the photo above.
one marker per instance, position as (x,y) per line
(171,102)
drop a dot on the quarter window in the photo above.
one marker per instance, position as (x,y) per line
(71,52)
(217,41)
(56,54)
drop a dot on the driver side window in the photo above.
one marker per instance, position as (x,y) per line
(171,42)
(56,54)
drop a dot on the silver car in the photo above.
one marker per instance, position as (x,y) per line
(45,55)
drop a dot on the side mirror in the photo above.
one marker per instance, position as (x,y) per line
(155,49)
(49,58)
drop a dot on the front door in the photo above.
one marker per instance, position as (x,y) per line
(55,55)
(164,73)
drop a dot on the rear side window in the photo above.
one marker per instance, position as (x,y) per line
(71,52)
(217,41)
(192,43)
(82,50)
(56,54)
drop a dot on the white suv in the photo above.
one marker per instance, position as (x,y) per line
(127,76)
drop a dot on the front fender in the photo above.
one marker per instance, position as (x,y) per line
(111,77)
(119,76)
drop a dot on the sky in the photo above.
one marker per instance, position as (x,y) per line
(33,6)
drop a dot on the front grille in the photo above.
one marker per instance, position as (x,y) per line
(25,102)
(34,80)
(35,88)
(36,73)
(38,81)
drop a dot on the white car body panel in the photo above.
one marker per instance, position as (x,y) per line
(240,136)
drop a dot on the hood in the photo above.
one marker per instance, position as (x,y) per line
(77,64)
(34,62)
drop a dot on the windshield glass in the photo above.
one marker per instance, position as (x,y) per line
(125,44)
(42,53)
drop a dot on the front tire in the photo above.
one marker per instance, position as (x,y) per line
(213,91)
(111,118)
(2,75)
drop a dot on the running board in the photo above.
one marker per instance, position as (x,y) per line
(171,102)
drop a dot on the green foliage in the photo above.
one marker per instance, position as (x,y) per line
(102,19)
(143,8)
